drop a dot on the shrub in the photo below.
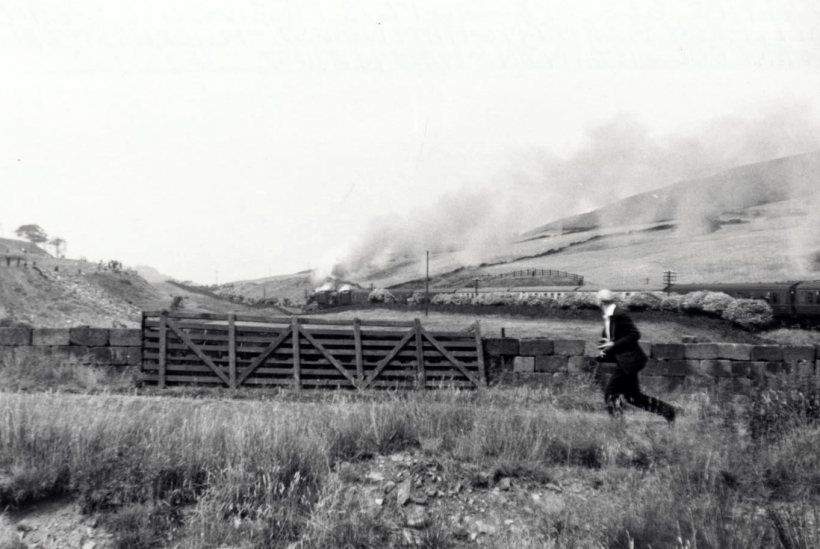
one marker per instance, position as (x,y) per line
(495,299)
(418,298)
(643,301)
(716,303)
(693,301)
(671,302)
(749,313)
(380,295)
(578,300)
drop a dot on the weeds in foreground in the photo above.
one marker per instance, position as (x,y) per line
(208,472)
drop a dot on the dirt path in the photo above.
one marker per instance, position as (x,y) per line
(53,525)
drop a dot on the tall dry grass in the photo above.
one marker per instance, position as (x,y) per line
(207,472)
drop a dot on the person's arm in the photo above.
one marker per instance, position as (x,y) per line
(627,332)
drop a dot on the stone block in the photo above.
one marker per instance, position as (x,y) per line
(701,351)
(89,337)
(716,368)
(646,346)
(559,379)
(739,385)
(768,353)
(741,368)
(677,368)
(6,355)
(535,347)
(15,336)
(581,364)
(774,369)
(534,379)
(551,364)
(501,346)
(607,368)
(676,383)
(757,370)
(669,351)
(734,351)
(524,364)
(654,385)
(115,356)
(799,353)
(654,367)
(804,369)
(569,347)
(125,338)
(50,336)
(699,382)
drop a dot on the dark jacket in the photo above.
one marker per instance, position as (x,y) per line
(625,351)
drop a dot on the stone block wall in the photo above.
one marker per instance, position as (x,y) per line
(671,365)
(93,346)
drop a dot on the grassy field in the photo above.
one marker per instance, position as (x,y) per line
(504,468)
(654,327)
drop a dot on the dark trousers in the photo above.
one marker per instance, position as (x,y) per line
(622,383)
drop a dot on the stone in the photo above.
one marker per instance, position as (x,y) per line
(536,347)
(716,368)
(415,516)
(734,351)
(774,368)
(559,378)
(550,364)
(804,353)
(505,483)
(580,364)
(741,368)
(804,369)
(654,367)
(403,492)
(15,336)
(116,356)
(676,383)
(89,337)
(50,336)
(646,346)
(501,346)
(569,347)
(524,364)
(757,370)
(701,351)
(125,338)
(669,351)
(676,368)
(741,385)
(768,353)
(699,382)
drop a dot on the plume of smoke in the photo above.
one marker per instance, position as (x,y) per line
(620,158)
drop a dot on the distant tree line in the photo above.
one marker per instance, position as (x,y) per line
(36,235)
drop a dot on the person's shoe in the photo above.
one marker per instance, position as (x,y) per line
(669,415)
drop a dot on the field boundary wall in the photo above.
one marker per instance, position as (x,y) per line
(92,346)
(671,366)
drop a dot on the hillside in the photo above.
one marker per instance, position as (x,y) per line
(51,292)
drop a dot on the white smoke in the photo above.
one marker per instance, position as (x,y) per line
(619,159)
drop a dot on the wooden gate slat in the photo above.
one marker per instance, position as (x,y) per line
(198,352)
(382,363)
(328,356)
(261,358)
(450,357)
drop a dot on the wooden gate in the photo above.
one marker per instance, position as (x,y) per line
(305,352)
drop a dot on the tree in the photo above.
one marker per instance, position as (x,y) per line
(33,233)
(59,245)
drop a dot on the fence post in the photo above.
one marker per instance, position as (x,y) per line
(482,374)
(163,347)
(422,373)
(357,338)
(232,349)
(297,357)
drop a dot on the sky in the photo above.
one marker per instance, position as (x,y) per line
(231,140)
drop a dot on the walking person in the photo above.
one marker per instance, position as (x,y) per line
(619,345)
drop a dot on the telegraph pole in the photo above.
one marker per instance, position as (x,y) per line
(427,286)
(668,278)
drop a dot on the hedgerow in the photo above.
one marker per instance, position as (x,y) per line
(643,301)
(749,313)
